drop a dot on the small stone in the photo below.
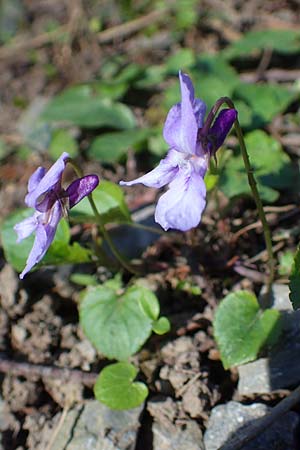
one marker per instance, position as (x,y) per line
(175,438)
(93,426)
(227,420)
(171,429)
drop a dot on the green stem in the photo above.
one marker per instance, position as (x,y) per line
(253,186)
(145,227)
(101,226)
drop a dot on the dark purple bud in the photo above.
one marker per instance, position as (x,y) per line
(221,127)
(80,188)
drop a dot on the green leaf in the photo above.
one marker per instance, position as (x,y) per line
(286,261)
(62,141)
(272,168)
(183,59)
(60,251)
(295,281)
(83,107)
(110,201)
(117,325)
(282,41)
(241,328)
(83,279)
(110,147)
(265,100)
(161,326)
(117,390)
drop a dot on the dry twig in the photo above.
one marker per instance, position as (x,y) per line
(38,370)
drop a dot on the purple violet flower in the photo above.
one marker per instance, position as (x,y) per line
(184,167)
(50,201)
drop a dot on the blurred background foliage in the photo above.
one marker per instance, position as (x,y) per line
(96,79)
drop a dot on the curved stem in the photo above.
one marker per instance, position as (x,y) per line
(253,186)
(101,226)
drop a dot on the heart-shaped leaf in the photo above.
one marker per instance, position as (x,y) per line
(241,328)
(118,325)
(295,281)
(117,390)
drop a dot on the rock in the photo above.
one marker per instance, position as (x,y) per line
(132,241)
(227,420)
(93,426)
(171,429)
(281,368)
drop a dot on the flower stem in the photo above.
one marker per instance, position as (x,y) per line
(108,239)
(101,226)
(253,186)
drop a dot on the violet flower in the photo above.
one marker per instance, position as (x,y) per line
(50,201)
(183,169)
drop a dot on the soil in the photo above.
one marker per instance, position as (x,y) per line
(39,317)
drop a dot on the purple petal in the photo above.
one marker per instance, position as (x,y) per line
(182,205)
(184,119)
(221,127)
(35,178)
(48,182)
(163,174)
(81,188)
(26,227)
(44,236)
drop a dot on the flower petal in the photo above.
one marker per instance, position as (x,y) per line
(163,174)
(35,178)
(182,205)
(221,127)
(48,182)
(26,227)
(44,236)
(184,119)
(81,188)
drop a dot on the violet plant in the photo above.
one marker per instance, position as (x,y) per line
(116,319)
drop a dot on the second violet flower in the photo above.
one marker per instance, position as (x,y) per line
(184,167)
(49,200)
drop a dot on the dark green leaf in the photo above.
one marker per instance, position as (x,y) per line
(81,106)
(272,168)
(62,141)
(282,41)
(241,328)
(115,387)
(110,147)
(295,281)
(266,101)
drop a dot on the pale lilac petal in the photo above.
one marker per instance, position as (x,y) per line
(163,174)
(184,119)
(48,182)
(26,227)
(181,207)
(35,178)
(44,236)
(81,188)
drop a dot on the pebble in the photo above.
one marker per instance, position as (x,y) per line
(227,420)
